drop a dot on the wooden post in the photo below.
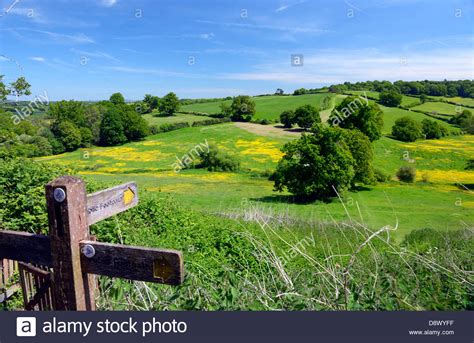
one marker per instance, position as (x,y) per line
(73,290)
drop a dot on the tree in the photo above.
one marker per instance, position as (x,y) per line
(112,128)
(72,111)
(20,87)
(169,104)
(306,116)
(407,130)
(287,118)
(300,91)
(226,110)
(390,98)
(355,113)
(242,108)
(152,101)
(68,134)
(432,129)
(135,127)
(315,165)
(423,98)
(279,91)
(117,99)
(362,152)
(4,91)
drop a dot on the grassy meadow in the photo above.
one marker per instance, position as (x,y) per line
(437,203)
(268,107)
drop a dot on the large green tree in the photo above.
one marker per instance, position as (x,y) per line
(316,165)
(242,108)
(357,113)
(117,99)
(68,134)
(112,131)
(390,98)
(407,129)
(169,104)
(306,116)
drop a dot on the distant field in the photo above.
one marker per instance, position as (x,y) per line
(406,100)
(178,118)
(457,99)
(150,164)
(440,107)
(268,107)
(391,114)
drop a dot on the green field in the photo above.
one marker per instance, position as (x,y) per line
(456,99)
(406,100)
(441,108)
(152,119)
(150,163)
(267,107)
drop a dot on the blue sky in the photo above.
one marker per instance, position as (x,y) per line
(88,49)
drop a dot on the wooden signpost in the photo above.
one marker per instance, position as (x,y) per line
(74,255)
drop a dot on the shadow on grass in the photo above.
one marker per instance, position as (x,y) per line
(291,199)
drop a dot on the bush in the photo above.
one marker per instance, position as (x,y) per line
(287,118)
(432,129)
(166,127)
(407,130)
(390,98)
(406,174)
(169,104)
(212,121)
(381,176)
(306,116)
(216,160)
(469,165)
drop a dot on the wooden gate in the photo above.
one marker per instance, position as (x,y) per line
(36,287)
(7,271)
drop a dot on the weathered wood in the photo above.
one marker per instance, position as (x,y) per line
(67,227)
(25,247)
(134,263)
(109,202)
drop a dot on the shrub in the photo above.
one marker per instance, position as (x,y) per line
(381,176)
(470,165)
(406,174)
(390,98)
(172,126)
(425,177)
(216,160)
(306,116)
(407,130)
(432,129)
(287,118)
(212,121)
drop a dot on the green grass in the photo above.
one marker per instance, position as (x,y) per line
(150,164)
(440,107)
(456,99)
(267,107)
(178,118)
(406,100)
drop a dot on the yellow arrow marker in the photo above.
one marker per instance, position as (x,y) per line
(128,196)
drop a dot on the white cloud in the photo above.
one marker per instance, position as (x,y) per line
(156,72)
(38,59)
(108,3)
(328,67)
(95,54)
(78,38)
(287,6)
(285,28)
